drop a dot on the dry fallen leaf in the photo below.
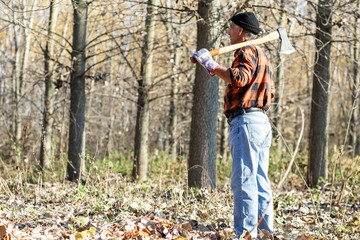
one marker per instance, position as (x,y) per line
(180,238)
(263,234)
(186,226)
(304,236)
(2,230)
(245,235)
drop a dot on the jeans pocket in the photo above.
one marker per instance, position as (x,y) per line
(258,133)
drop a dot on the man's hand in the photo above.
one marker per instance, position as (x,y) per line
(204,57)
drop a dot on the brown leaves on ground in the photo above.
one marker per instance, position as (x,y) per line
(133,228)
(125,210)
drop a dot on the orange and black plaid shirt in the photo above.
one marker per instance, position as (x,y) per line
(252,84)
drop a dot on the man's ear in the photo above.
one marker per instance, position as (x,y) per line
(240,30)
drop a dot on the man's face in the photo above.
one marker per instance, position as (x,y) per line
(235,33)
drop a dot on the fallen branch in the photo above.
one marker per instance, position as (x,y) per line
(295,151)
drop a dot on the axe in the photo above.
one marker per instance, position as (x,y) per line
(285,47)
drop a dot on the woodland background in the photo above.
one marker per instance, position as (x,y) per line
(92,101)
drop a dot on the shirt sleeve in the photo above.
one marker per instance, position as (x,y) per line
(242,71)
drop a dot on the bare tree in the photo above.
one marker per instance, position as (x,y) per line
(174,45)
(280,63)
(46,153)
(142,118)
(318,145)
(77,85)
(355,85)
(22,60)
(202,152)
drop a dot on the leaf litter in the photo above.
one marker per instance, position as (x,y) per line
(120,209)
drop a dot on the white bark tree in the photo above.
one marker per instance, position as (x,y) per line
(142,119)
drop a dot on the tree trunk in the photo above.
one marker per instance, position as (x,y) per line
(318,150)
(48,120)
(202,152)
(224,130)
(175,54)
(355,87)
(280,84)
(63,137)
(18,84)
(224,136)
(110,142)
(22,64)
(16,130)
(142,118)
(173,112)
(77,89)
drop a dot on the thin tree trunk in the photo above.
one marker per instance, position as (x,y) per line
(142,118)
(318,150)
(109,143)
(223,150)
(17,78)
(202,152)
(173,112)
(20,66)
(16,88)
(89,99)
(77,86)
(48,120)
(280,83)
(224,130)
(111,89)
(175,51)
(62,137)
(355,87)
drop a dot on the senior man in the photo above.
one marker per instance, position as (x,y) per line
(248,96)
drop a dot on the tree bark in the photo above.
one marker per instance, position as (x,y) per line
(77,90)
(175,54)
(318,150)
(16,129)
(63,137)
(355,87)
(110,142)
(142,119)
(280,84)
(224,130)
(202,152)
(48,118)
(22,64)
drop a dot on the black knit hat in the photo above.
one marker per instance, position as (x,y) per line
(248,21)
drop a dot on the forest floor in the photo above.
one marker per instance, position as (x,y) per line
(115,208)
(108,205)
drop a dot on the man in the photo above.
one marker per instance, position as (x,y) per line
(247,98)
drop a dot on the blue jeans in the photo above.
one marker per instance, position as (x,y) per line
(250,140)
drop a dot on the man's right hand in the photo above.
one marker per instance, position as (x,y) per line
(204,57)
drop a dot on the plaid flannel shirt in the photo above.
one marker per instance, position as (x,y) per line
(251,81)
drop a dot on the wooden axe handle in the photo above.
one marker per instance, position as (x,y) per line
(270,37)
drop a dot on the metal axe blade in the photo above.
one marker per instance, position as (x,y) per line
(285,47)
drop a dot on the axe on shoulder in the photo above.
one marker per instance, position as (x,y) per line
(285,47)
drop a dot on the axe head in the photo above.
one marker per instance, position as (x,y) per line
(285,47)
